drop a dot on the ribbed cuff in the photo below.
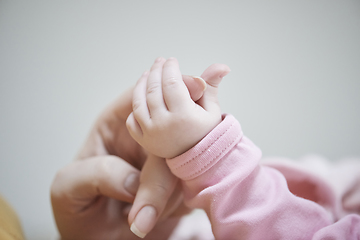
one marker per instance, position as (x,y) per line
(208,151)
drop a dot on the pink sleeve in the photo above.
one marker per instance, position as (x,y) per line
(243,199)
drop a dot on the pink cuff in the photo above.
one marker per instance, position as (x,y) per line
(208,151)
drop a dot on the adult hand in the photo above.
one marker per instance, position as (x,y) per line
(91,197)
(167,122)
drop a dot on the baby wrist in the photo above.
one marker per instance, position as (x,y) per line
(208,151)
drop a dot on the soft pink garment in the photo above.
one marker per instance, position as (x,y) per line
(248,199)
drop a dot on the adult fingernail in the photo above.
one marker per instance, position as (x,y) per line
(144,221)
(131,183)
(200,81)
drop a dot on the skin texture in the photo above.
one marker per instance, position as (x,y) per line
(167,122)
(92,196)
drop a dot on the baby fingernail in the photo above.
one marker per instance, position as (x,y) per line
(131,183)
(159,59)
(144,221)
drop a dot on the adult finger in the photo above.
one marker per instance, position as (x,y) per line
(76,186)
(175,93)
(195,85)
(213,76)
(157,184)
(154,96)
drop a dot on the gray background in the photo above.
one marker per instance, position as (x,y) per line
(294,84)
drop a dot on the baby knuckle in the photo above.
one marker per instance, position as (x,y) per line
(152,130)
(136,104)
(153,87)
(170,82)
(161,127)
(181,119)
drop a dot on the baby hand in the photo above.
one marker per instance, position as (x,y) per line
(165,120)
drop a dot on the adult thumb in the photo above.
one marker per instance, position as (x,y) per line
(215,73)
(157,185)
(195,85)
(212,76)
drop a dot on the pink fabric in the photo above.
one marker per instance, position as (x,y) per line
(247,199)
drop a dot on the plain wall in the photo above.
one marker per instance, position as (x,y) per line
(294,84)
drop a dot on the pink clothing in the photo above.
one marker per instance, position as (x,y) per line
(278,199)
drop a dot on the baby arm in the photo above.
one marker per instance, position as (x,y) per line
(243,199)
(165,120)
(221,172)
(153,124)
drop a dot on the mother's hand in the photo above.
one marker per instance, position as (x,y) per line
(92,196)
